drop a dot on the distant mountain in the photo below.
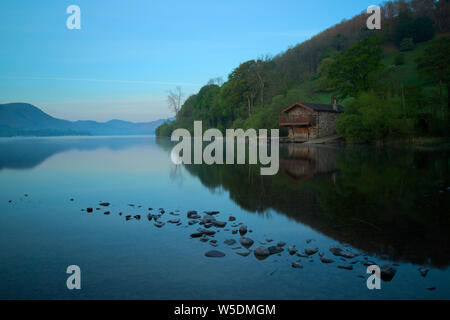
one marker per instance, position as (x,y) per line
(23,119)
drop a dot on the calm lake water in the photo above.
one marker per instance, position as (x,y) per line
(390,206)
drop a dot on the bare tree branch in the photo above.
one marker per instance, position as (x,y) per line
(175,100)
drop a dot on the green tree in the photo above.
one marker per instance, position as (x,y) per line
(403,27)
(407,44)
(350,71)
(423,29)
(434,63)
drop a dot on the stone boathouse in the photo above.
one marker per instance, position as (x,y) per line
(306,121)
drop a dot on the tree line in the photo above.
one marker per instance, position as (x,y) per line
(346,60)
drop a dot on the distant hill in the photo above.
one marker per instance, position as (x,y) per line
(23,119)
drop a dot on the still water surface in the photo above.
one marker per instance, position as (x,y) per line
(391,206)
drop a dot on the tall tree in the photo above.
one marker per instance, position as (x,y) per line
(434,63)
(350,71)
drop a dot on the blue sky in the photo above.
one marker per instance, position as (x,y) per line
(129,53)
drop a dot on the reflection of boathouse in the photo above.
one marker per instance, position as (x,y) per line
(304,162)
(306,121)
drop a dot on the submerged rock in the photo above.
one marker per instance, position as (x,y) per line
(159,224)
(106,212)
(281,243)
(346,267)
(246,242)
(387,272)
(243,253)
(137,217)
(368,263)
(275,249)
(174,221)
(292,250)
(231,218)
(192,222)
(297,265)
(149,217)
(215,254)
(423,271)
(89,210)
(261,252)
(342,252)
(127,218)
(311,251)
(196,235)
(326,260)
(207,232)
(105,204)
(193,215)
(230,242)
(208,219)
(219,224)
(211,213)
(243,230)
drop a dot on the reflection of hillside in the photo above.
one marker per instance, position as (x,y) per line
(30,152)
(377,204)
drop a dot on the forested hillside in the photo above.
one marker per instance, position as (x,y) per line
(393,82)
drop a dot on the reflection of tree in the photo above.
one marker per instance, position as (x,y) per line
(384,202)
(176,173)
(396,201)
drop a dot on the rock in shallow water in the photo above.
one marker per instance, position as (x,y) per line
(207,232)
(230,242)
(387,272)
(281,243)
(292,250)
(243,230)
(423,271)
(219,224)
(246,242)
(159,224)
(196,235)
(212,212)
(243,253)
(215,254)
(326,260)
(346,267)
(275,249)
(193,215)
(311,251)
(297,265)
(261,252)
(342,252)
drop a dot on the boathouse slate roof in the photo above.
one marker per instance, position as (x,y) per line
(315,106)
